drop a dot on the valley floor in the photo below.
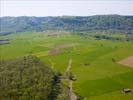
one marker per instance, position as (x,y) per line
(94,62)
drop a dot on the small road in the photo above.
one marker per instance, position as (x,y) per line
(71,93)
(69,66)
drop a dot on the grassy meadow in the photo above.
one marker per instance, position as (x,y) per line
(99,76)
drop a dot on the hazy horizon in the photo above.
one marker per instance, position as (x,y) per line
(68,15)
(46,8)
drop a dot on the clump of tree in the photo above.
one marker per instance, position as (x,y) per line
(25,78)
(28,78)
(56,88)
(129,37)
(113,60)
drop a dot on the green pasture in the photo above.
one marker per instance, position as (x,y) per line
(98,77)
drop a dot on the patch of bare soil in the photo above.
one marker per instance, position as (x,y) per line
(59,49)
(55,52)
(128,61)
(54,34)
(64,46)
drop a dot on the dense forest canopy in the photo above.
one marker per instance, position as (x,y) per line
(28,78)
(25,78)
(67,23)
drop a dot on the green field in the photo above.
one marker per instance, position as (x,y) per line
(98,77)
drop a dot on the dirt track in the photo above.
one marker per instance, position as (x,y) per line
(71,93)
(69,66)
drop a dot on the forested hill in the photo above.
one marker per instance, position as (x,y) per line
(68,23)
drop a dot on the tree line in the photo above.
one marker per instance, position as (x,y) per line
(67,23)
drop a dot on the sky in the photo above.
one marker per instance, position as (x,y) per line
(65,7)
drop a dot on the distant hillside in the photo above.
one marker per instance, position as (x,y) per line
(67,23)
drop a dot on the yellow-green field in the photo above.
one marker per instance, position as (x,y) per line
(99,76)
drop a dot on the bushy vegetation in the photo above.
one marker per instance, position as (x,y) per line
(28,78)
(67,23)
(24,79)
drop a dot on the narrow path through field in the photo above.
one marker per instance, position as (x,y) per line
(71,93)
(69,66)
